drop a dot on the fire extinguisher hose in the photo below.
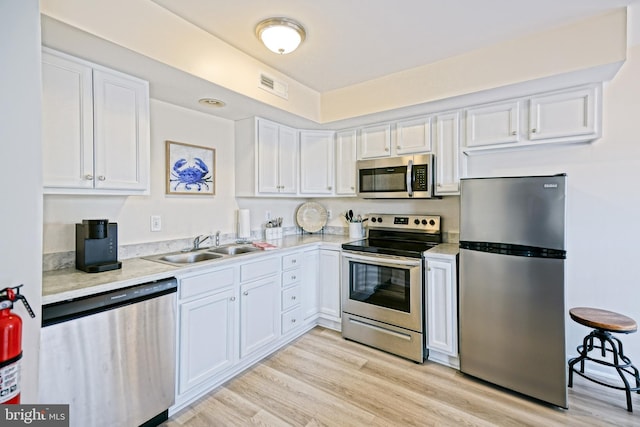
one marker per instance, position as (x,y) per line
(10,361)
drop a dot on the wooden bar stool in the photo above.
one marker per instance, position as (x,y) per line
(604,322)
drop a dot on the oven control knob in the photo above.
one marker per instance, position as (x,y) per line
(373,219)
(424,222)
(432,222)
(379,219)
(416,221)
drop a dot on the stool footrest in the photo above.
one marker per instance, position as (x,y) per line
(621,363)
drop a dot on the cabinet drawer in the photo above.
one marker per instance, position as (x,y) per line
(207,282)
(290,297)
(258,269)
(291,320)
(290,277)
(291,261)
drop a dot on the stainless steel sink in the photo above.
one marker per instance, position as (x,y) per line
(185,257)
(234,250)
(189,257)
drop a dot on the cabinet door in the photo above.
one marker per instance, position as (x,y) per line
(316,162)
(346,163)
(492,124)
(570,115)
(268,157)
(413,136)
(207,338)
(375,141)
(329,283)
(67,123)
(447,173)
(259,314)
(121,134)
(310,281)
(442,313)
(288,160)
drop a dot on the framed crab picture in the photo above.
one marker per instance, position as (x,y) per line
(190,169)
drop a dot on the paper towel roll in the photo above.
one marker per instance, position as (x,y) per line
(244,224)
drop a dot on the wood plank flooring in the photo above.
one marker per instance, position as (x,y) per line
(323,380)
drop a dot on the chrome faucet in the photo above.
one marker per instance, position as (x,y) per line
(218,238)
(199,240)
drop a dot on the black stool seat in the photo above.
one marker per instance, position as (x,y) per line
(604,323)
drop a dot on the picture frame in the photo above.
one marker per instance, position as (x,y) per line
(190,169)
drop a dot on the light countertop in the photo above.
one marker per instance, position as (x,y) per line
(68,283)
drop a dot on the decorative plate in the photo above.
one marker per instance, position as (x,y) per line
(311,216)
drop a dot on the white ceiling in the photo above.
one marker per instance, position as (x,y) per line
(351,41)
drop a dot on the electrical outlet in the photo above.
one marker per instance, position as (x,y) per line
(156,223)
(329,214)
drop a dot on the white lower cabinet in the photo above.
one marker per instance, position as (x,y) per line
(442,310)
(310,291)
(259,305)
(291,303)
(329,285)
(208,336)
(232,316)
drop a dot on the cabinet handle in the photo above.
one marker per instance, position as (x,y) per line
(328,188)
(232,299)
(353,188)
(245,293)
(293,298)
(294,261)
(293,320)
(88,177)
(514,133)
(534,130)
(398,147)
(293,277)
(386,149)
(101,178)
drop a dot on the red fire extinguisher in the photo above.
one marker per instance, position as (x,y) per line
(10,345)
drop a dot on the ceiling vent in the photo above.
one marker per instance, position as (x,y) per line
(274,86)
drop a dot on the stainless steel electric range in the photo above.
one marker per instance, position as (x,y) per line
(383,283)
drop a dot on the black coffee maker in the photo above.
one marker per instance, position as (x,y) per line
(97,246)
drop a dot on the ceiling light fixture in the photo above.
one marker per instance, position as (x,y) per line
(212,102)
(280,35)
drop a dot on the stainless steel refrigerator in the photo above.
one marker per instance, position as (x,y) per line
(512,269)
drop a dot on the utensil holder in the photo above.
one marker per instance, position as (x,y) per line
(356,230)
(273,233)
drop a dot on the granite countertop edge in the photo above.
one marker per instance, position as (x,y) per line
(69,283)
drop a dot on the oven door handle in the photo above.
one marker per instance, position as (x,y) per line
(383,260)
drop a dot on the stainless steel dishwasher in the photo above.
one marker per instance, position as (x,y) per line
(111,356)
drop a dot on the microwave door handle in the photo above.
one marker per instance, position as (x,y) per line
(409,178)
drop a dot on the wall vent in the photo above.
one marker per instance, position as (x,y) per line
(274,86)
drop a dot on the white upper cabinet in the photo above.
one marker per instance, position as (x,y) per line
(95,128)
(277,158)
(492,124)
(447,140)
(375,141)
(266,157)
(346,162)
(413,135)
(317,162)
(571,115)
(565,116)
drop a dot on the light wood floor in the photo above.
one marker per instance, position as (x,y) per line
(322,379)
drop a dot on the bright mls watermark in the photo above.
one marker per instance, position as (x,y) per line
(34,415)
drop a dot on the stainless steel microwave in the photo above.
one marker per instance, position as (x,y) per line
(406,177)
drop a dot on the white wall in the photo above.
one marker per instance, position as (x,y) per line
(603,225)
(182,216)
(21,211)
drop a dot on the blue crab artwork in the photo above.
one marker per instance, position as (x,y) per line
(195,175)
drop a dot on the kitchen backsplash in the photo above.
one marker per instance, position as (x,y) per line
(60,260)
